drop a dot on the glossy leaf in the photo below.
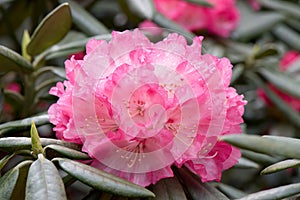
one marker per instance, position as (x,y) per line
(282,81)
(254,24)
(23,124)
(143,8)
(168,188)
(10,60)
(199,190)
(101,180)
(287,148)
(84,20)
(291,163)
(274,193)
(51,30)
(231,192)
(13,144)
(9,180)
(44,181)
(5,159)
(288,35)
(67,152)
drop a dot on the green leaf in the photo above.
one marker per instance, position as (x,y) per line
(199,190)
(13,144)
(58,71)
(286,7)
(288,35)
(265,52)
(23,124)
(25,42)
(230,191)
(237,72)
(101,180)
(67,152)
(35,140)
(51,30)
(1,100)
(84,20)
(143,8)
(291,163)
(9,180)
(44,181)
(168,188)
(275,193)
(5,159)
(292,115)
(254,24)
(287,147)
(258,157)
(281,81)
(10,60)
(246,163)
(201,3)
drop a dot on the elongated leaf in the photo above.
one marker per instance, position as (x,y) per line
(9,180)
(258,157)
(265,145)
(10,60)
(84,20)
(291,9)
(23,124)
(143,8)
(59,71)
(275,193)
(51,30)
(101,180)
(25,42)
(12,144)
(237,72)
(282,81)
(230,191)
(201,3)
(35,140)
(44,181)
(169,188)
(67,152)
(5,159)
(289,112)
(254,24)
(288,35)
(291,163)
(246,163)
(199,190)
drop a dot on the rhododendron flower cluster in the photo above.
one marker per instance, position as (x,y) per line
(139,107)
(287,61)
(220,19)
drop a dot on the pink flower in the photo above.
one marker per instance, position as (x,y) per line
(254,4)
(284,64)
(220,19)
(140,107)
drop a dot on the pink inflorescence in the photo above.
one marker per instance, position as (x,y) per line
(139,107)
(220,19)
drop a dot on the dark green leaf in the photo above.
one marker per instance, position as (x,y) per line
(258,157)
(201,3)
(143,8)
(254,24)
(14,97)
(67,152)
(288,35)
(291,163)
(275,193)
(288,111)
(5,159)
(9,180)
(282,81)
(10,60)
(286,7)
(288,148)
(199,190)
(12,144)
(36,145)
(230,191)
(265,52)
(237,72)
(23,124)
(84,20)
(44,181)
(246,163)
(59,71)
(168,188)
(172,26)
(51,30)
(101,180)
